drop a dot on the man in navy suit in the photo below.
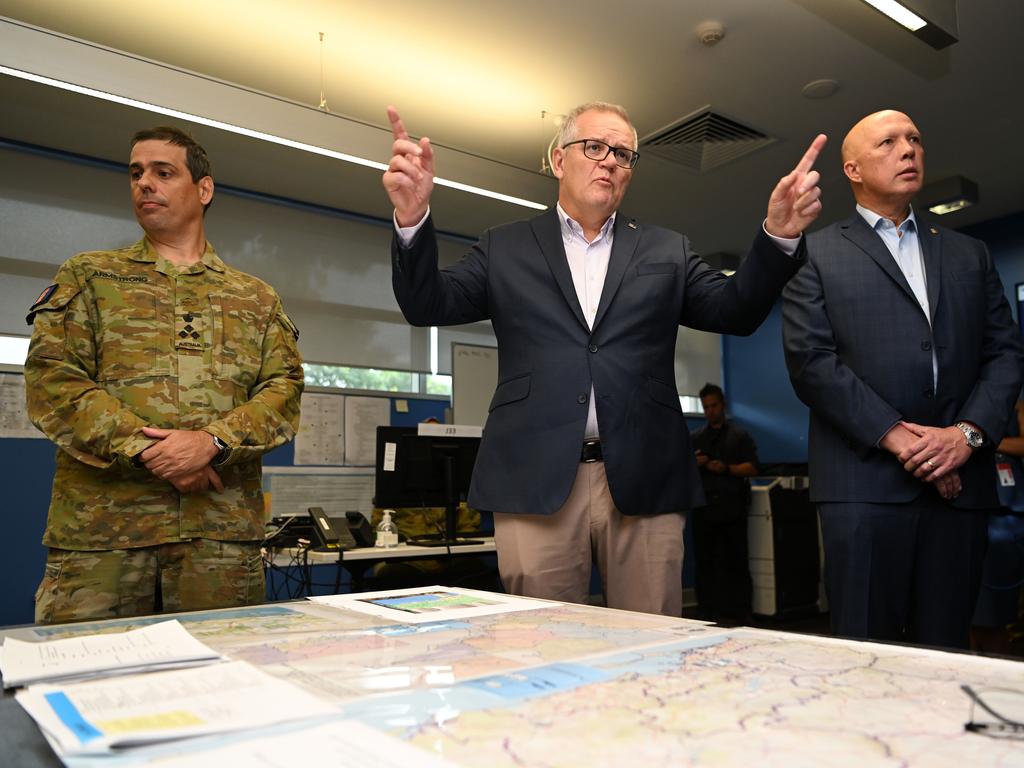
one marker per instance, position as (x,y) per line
(586,454)
(899,339)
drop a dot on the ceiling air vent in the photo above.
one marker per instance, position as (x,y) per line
(704,140)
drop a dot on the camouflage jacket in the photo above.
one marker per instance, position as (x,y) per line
(124,339)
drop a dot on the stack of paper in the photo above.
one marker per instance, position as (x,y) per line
(95,717)
(166,645)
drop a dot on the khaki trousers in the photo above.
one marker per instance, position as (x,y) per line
(640,558)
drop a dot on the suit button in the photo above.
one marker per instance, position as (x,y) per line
(928,392)
(581,399)
(592,347)
(926,346)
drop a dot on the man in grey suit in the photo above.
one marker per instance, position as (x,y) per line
(899,339)
(586,455)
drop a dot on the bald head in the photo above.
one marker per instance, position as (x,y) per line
(884,160)
(862,132)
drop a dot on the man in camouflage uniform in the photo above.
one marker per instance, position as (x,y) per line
(162,375)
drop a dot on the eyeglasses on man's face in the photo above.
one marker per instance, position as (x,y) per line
(598,151)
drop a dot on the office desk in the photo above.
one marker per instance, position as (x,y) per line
(401,552)
(357,561)
(585,686)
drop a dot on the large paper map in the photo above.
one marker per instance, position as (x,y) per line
(582,686)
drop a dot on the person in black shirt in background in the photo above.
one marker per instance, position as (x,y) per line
(726,456)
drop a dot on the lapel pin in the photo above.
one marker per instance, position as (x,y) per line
(934,230)
(632,225)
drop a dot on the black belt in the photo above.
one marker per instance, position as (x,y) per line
(591,452)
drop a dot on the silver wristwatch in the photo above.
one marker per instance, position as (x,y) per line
(975,437)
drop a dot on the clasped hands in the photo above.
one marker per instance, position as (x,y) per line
(931,454)
(182,458)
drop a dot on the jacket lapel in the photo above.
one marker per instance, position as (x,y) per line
(857,231)
(931,252)
(627,236)
(548,231)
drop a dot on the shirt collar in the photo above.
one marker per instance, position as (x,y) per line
(877,221)
(145,252)
(571,227)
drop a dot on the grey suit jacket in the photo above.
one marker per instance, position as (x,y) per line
(859,352)
(518,276)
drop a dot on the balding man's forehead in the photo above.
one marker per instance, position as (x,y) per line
(876,122)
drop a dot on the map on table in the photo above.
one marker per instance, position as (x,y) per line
(572,685)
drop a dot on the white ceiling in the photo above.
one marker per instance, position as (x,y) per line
(476,75)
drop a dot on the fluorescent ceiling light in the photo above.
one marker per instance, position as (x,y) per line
(898,13)
(269,137)
(948,195)
(943,208)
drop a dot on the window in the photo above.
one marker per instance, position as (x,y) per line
(691,405)
(13,350)
(377,380)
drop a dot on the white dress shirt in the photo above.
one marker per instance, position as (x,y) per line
(588,263)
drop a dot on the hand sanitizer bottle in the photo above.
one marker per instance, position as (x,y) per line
(387,534)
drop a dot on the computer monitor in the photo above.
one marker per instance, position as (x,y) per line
(416,470)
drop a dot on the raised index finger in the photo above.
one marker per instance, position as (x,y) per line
(397,127)
(810,156)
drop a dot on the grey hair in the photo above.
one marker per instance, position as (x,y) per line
(567,132)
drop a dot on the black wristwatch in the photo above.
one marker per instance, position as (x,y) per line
(223,451)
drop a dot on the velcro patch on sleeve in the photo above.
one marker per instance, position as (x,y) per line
(54,297)
(46,294)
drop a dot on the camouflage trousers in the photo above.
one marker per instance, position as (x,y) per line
(188,575)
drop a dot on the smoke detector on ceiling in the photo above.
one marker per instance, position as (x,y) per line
(820,89)
(710,32)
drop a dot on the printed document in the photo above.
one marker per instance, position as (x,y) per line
(165,645)
(425,604)
(95,717)
(339,743)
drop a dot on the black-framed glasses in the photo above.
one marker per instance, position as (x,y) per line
(599,150)
(1000,712)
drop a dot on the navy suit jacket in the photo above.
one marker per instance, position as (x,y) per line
(518,277)
(859,352)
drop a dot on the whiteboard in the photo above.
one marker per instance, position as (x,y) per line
(474,379)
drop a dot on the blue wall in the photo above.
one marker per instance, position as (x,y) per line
(1005,240)
(29,465)
(760,396)
(754,370)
